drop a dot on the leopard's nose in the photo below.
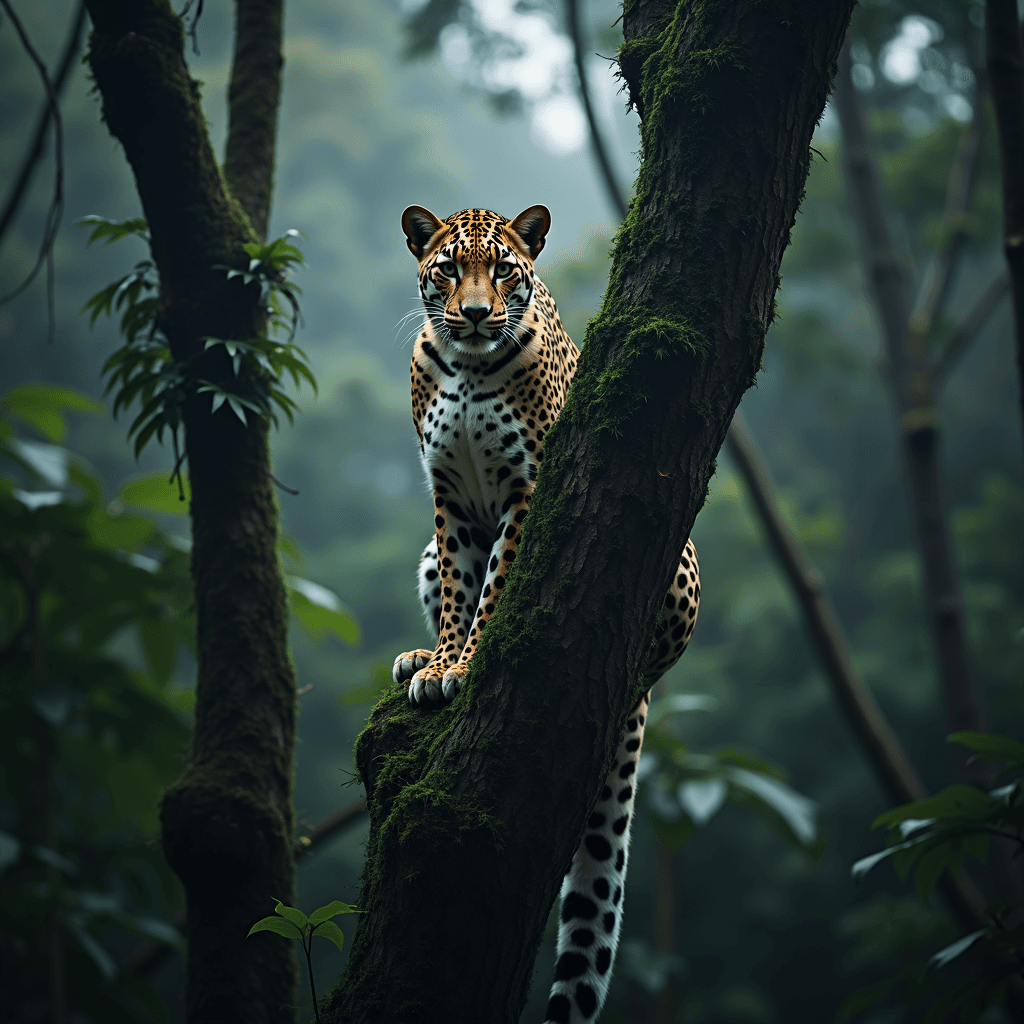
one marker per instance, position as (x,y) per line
(475,312)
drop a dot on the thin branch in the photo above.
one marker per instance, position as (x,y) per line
(969,328)
(941,268)
(886,480)
(910,374)
(23,178)
(252,107)
(612,189)
(334,823)
(1004,61)
(54,214)
(885,753)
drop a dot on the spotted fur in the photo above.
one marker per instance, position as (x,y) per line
(490,372)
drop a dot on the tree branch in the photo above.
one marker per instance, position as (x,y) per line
(35,149)
(611,185)
(917,417)
(56,210)
(938,275)
(253,100)
(885,753)
(968,329)
(1004,61)
(497,787)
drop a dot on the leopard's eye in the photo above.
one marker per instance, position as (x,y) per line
(448,268)
(503,269)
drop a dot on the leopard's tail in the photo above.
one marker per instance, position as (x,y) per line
(591,900)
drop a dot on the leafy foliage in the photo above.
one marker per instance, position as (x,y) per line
(294,924)
(143,369)
(95,615)
(931,836)
(687,789)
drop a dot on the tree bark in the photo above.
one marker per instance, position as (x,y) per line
(906,346)
(475,809)
(1004,63)
(227,823)
(253,100)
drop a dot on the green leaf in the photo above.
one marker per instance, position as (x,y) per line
(958,802)
(797,811)
(680,703)
(954,949)
(865,864)
(330,931)
(153,492)
(113,230)
(99,956)
(293,914)
(42,405)
(320,610)
(989,747)
(277,926)
(333,909)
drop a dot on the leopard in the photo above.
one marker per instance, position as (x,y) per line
(491,368)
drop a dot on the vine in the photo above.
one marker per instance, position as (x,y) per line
(144,370)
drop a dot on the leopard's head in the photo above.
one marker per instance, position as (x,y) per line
(476,273)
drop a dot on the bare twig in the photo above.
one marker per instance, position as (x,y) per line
(29,162)
(53,216)
(1004,61)
(612,189)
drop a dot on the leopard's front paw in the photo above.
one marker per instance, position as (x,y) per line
(407,664)
(451,684)
(425,685)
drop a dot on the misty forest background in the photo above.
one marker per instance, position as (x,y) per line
(764,929)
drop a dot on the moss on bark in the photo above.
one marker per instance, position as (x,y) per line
(476,809)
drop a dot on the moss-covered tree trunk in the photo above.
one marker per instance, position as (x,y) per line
(227,823)
(476,809)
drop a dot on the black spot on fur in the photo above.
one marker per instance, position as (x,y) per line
(626,770)
(620,860)
(571,965)
(601,888)
(586,1000)
(620,826)
(576,905)
(603,960)
(608,921)
(598,847)
(559,1010)
(625,794)
(617,896)
(596,820)
(582,937)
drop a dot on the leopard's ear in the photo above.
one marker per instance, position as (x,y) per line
(532,227)
(420,226)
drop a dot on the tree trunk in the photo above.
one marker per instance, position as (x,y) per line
(1004,64)
(475,809)
(227,823)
